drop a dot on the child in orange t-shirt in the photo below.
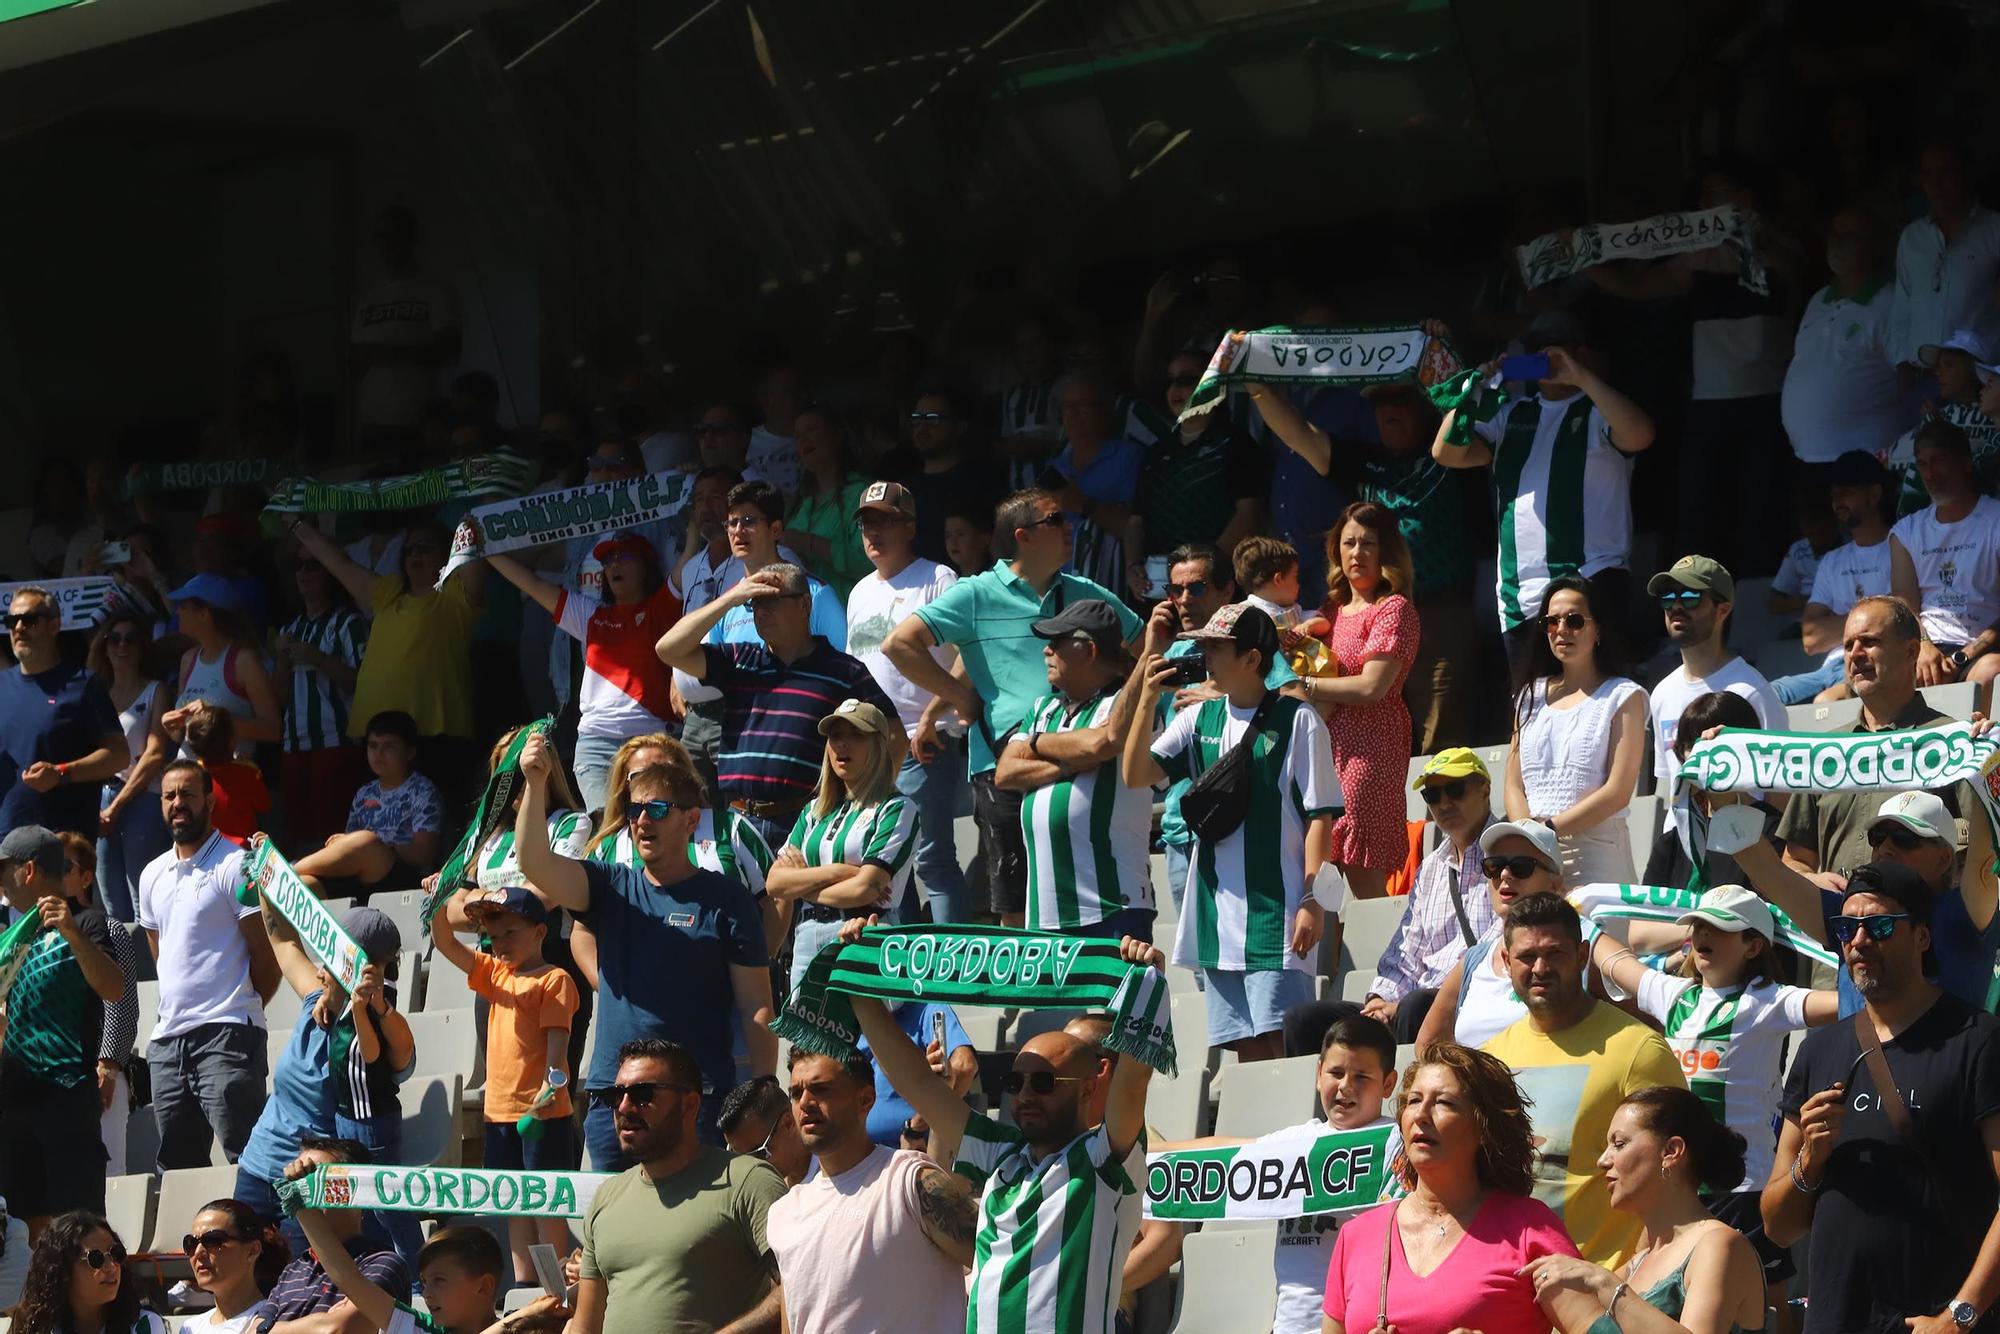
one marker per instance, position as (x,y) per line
(240,794)
(527,1048)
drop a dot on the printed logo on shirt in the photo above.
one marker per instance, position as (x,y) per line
(680,919)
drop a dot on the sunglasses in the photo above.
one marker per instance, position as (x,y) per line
(599,463)
(1880,926)
(1193,588)
(1686,597)
(1519,867)
(932,417)
(14,618)
(1903,840)
(1056,520)
(71,868)
(1041,1081)
(1571,621)
(642,1095)
(652,810)
(123,637)
(215,1240)
(97,1259)
(1433,794)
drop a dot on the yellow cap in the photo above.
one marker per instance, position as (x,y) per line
(1458,762)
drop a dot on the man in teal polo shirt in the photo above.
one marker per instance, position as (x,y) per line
(988,619)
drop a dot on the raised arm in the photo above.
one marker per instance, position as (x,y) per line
(1125,1107)
(538,590)
(1776,882)
(377,1306)
(100,969)
(356,579)
(681,646)
(909,1073)
(1297,434)
(294,964)
(1151,675)
(1474,453)
(553,877)
(1631,429)
(1651,282)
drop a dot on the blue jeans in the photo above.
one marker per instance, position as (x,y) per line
(139,836)
(211,1076)
(1177,870)
(942,794)
(1801,688)
(382,1134)
(592,767)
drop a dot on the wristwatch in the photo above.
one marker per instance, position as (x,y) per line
(1957,658)
(1963,1314)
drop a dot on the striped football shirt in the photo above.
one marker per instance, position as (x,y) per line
(1087,834)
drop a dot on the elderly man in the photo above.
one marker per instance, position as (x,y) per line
(756,1119)
(1891,1138)
(59,734)
(1085,831)
(988,618)
(1448,910)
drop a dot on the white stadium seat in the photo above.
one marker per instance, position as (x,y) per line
(430,1119)
(128,1204)
(1226,1283)
(1256,1097)
(1175,1105)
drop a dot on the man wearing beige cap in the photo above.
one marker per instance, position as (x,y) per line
(1696,595)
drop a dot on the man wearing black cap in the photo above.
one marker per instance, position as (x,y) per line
(1086,832)
(1562,462)
(1890,1147)
(1857,485)
(51,1156)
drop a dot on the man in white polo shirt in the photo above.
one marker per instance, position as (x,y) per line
(1947,563)
(216,972)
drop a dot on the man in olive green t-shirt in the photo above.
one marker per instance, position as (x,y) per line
(676,1244)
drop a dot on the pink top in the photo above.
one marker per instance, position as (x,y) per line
(1475,1288)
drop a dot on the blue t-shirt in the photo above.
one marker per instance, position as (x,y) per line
(397,815)
(829,620)
(891,1109)
(59,715)
(1112,475)
(301,1101)
(663,959)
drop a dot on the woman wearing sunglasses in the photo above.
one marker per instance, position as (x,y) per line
(1476,999)
(77,1283)
(850,852)
(130,829)
(236,1257)
(1579,736)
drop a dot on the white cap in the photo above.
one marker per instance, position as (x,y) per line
(1537,833)
(1732,908)
(1922,813)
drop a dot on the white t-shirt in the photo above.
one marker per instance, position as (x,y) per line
(1840,390)
(1941,288)
(389,560)
(1796,571)
(212,1322)
(1849,573)
(1305,1248)
(1958,570)
(404,312)
(204,962)
(876,606)
(1677,690)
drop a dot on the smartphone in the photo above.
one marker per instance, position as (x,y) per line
(937,1031)
(1191,669)
(548,1269)
(115,553)
(1529,366)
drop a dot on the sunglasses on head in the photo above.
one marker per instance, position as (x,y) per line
(1519,867)
(215,1239)
(97,1259)
(642,1095)
(1193,588)
(14,618)
(1879,926)
(1041,1081)
(1903,840)
(1682,597)
(652,810)
(1571,621)
(1433,793)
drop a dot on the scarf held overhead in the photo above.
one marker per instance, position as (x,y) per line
(1031,970)
(481,476)
(1289,1173)
(443,1190)
(1663,903)
(81,601)
(1560,254)
(492,813)
(272,877)
(1317,357)
(558,516)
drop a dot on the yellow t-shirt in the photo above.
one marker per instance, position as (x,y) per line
(1576,1079)
(419,658)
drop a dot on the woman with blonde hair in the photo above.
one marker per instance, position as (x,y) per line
(850,852)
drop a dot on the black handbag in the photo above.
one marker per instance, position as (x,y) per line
(1216,802)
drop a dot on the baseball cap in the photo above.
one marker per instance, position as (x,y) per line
(1733,908)
(1457,762)
(1093,619)
(1537,833)
(375,932)
(212,589)
(516,899)
(1704,574)
(1964,340)
(858,714)
(32,843)
(1922,813)
(625,542)
(1244,624)
(888,498)
(1857,467)
(1891,880)
(1555,328)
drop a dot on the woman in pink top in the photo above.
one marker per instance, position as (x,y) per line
(1452,1251)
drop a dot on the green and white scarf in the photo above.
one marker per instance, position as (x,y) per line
(81,600)
(1556,255)
(483,476)
(15,943)
(1471,394)
(979,965)
(1317,357)
(272,877)
(1290,1173)
(557,516)
(1663,903)
(443,1190)
(201,474)
(460,869)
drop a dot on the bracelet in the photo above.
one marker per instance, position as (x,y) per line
(1799,1176)
(62,773)
(1624,1286)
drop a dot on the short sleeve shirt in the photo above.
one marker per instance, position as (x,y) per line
(525,1009)
(1835,824)
(55,716)
(54,1019)
(771,711)
(397,815)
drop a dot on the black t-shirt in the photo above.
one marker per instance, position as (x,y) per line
(1899,1223)
(974,485)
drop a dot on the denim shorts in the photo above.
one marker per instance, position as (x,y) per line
(1247,1005)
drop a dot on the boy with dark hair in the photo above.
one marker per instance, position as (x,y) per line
(396,820)
(459,1273)
(968,540)
(238,784)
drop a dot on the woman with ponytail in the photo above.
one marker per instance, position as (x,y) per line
(236,1257)
(1693,1274)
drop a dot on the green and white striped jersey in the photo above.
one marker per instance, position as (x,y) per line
(1050,1251)
(498,865)
(742,854)
(1731,1046)
(407,1319)
(316,714)
(1087,834)
(883,833)
(1565,498)
(1241,895)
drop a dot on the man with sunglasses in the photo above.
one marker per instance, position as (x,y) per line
(678,1240)
(1890,1146)
(1696,596)
(756,1119)
(59,734)
(1447,912)
(1059,1199)
(943,479)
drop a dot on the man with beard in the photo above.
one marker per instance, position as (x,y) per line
(677,1241)
(880,1239)
(942,479)
(1891,1137)
(756,1120)
(1696,597)
(217,970)
(1856,484)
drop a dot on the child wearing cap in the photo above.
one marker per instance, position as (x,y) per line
(527,1106)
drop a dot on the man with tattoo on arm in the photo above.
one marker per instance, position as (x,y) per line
(879,1239)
